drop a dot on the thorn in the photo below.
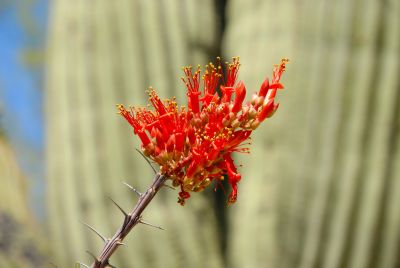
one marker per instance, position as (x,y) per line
(149,224)
(93,256)
(123,211)
(82,264)
(95,231)
(110,265)
(147,160)
(120,243)
(168,186)
(133,189)
(126,218)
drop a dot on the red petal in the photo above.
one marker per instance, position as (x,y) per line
(227,93)
(233,195)
(264,88)
(273,110)
(233,177)
(191,169)
(266,110)
(191,135)
(179,141)
(170,143)
(143,137)
(157,103)
(184,195)
(206,99)
(240,95)
(193,101)
(276,86)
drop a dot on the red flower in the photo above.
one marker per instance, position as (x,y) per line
(194,146)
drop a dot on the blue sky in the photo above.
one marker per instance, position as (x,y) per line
(22,39)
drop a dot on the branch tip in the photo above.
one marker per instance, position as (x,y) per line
(130,221)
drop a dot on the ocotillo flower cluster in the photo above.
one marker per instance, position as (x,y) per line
(193,145)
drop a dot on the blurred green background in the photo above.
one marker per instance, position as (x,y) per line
(321,187)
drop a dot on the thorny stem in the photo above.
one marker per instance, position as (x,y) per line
(130,221)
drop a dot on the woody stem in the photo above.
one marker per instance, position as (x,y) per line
(130,221)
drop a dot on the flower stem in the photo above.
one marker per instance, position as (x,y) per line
(130,221)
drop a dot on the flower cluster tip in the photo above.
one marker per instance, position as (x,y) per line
(193,145)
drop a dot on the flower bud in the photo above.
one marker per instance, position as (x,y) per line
(252,112)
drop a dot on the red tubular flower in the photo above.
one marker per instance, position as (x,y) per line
(233,177)
(192,82)
(194,146)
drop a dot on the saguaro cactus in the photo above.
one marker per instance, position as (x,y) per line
(335,178)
